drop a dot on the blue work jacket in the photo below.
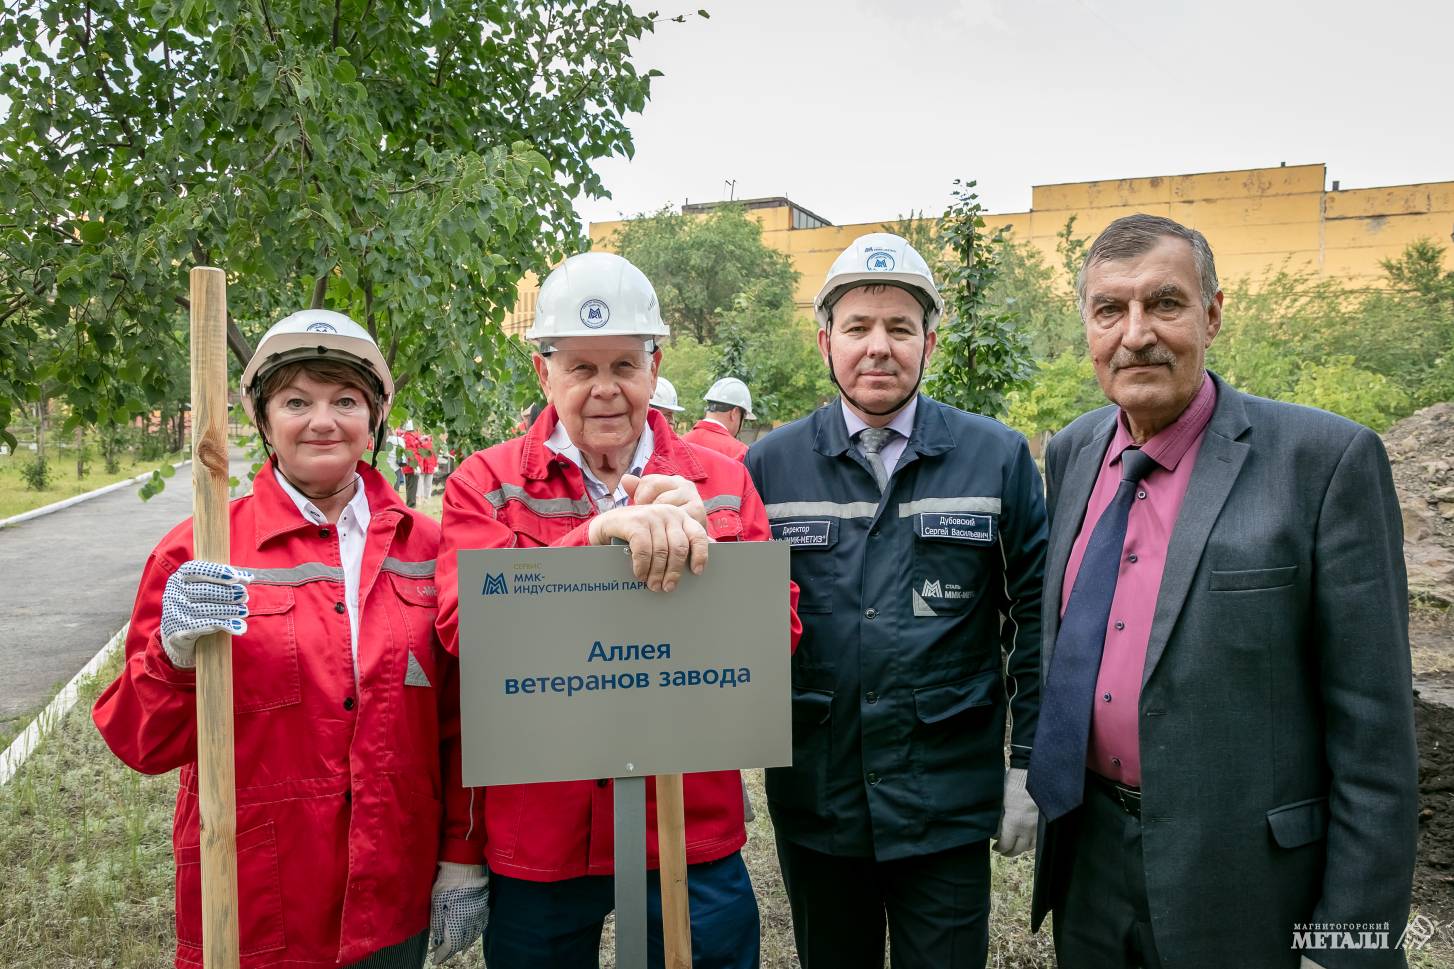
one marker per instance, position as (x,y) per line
(921,629)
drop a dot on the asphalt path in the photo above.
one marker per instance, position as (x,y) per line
(67,581)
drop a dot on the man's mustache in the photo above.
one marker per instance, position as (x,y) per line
(1142,358)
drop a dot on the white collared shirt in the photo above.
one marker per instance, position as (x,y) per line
(560,442)
(903,423)
(353,529)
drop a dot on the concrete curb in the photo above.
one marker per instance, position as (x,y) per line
(56,506)
(24,745)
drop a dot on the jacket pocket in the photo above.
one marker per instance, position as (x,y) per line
(259,892)
(725,525)
(1300,823)
(1250,580)
(813,565)
(954,555)
(811,707)
(934,704)
(265,660)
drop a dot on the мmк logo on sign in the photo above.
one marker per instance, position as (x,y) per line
(595,314)
(495,585)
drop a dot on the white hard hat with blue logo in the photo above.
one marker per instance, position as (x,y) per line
(880,258)
(665,395)
(317,335)
(733,393)
(596,294)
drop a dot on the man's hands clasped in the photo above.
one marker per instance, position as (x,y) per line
(665,528)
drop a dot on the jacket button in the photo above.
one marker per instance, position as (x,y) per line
(1106,697)
(348,703)
(871,697)
(1133,558)
(872,777)
(870,613)
(1115,762)
(324,533)
(340,608)
(1120,624)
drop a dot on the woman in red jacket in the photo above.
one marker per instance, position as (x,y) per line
(349,809)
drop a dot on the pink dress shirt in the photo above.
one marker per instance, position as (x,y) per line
(1115,750)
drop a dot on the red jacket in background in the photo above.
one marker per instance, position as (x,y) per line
(428,460)
(339,785)
(413,453)
(710,434)
(510,496)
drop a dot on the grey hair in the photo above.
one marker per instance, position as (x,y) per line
(1133,235)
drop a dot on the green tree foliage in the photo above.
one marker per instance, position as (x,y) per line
(699,265)
(1061,390)
(983,354)
(402,161)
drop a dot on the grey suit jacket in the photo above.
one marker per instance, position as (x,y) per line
(1278,763)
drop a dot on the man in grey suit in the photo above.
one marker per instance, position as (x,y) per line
(1225,761)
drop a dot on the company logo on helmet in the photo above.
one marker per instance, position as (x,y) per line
(880,261)
(595,314)
(321,327)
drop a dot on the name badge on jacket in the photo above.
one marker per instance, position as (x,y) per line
(974,529)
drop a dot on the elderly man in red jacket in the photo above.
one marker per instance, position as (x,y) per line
(598,465)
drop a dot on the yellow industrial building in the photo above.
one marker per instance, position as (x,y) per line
(1256,219)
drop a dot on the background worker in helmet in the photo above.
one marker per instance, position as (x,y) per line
(600,464)
(729,403)
(918,541)
(411,463)
(664,399)
(346,706)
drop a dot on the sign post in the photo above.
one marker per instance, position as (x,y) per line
(570,669)
(216,783)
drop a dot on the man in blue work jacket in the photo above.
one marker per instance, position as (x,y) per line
(918,542)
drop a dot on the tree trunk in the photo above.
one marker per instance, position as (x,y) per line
(80,454)
(40,414)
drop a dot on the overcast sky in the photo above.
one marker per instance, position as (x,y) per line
(862,110)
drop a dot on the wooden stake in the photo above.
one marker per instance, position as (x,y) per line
(217,796)
(671,847)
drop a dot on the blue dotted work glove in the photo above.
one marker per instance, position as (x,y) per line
(459,907)
(201,598)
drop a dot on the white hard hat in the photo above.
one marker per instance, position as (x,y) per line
(730,390)
(596,294)
(317,335)
(880,258)
(408,425)
(665,395)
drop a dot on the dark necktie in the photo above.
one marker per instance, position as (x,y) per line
(871,441)
(1057,763)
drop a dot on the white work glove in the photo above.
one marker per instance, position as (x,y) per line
(459,907)
(201,598)
(1018,819)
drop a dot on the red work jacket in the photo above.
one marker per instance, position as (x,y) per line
(710,434)
(339,785)
(510,496)
(428,460)
(413,453)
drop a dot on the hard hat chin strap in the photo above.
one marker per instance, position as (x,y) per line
(833,376)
